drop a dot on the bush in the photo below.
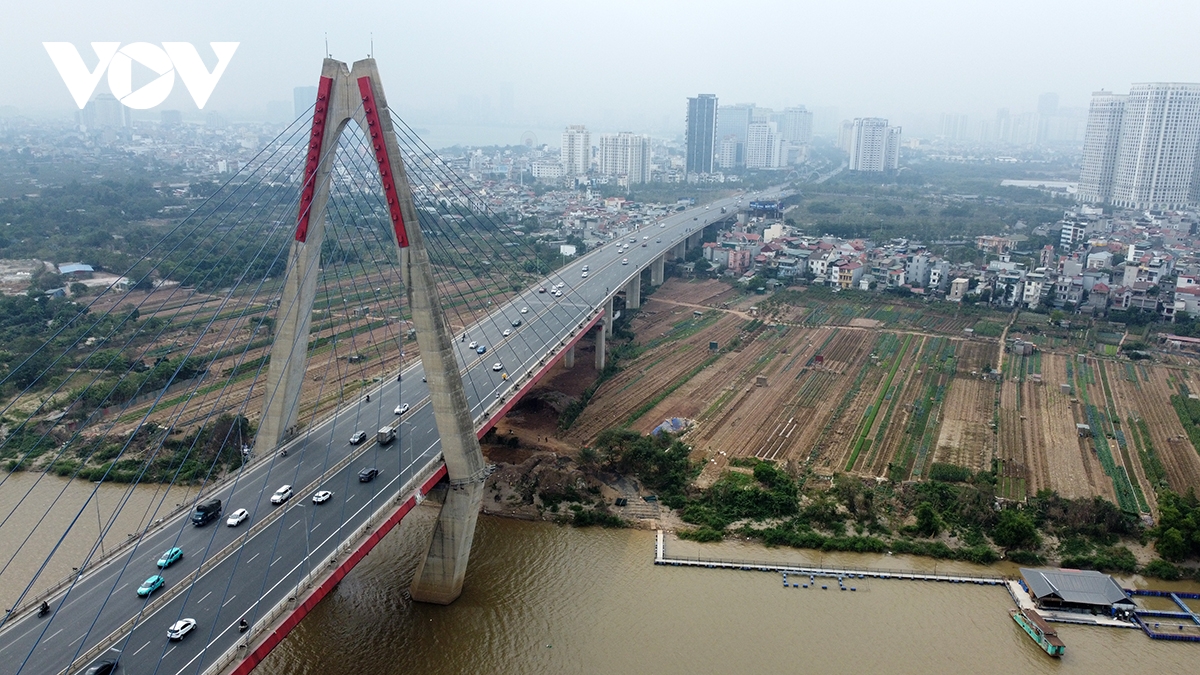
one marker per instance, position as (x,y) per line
(587,518)
(1163,570)
(949,473)
(702,534)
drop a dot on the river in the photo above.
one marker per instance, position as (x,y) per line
(541,598)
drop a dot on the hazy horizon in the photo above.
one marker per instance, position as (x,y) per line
(492,68)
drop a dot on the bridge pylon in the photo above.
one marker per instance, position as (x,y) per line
(356,93)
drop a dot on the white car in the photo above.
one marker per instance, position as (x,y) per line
(237,517)
(507,332)
(401,409)
(646,237)
(473,344)
(663,225)
(558,294)
(282,495)
(625,261)
(559,285)
(584,275)
(180,628)
(358,437)
(585,268)
(497,367)
(524,310)
(322,497)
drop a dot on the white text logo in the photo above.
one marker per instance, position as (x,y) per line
(165,61)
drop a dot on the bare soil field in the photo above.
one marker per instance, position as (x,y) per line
(966,438)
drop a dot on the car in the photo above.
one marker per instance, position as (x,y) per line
(497,367)
(524,310)
(282,495)
(646,237)
(170,557)
(358,437)
(643,244)
(237,517)
(473,344)
(559,285)
(150,585)
(106,667)
(542,289)
(624,261)
(585,268)
(402,408)
(584,275)
(322,496)
(695,219)
(507,332)
(368,474)
(516,323)
(181,628)
(662,225)
(558,294)
(707,207)
(658,241)
(481,349)
(633,240)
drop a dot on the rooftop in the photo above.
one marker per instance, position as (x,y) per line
(1078,587)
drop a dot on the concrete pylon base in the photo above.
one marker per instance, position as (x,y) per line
(569,357)
(440,574)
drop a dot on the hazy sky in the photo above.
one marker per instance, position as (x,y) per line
(629,64)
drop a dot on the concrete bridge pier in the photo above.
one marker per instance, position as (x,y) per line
(440,573)
(657,270)
(633,292)
(600,331)
(679,252)
(695,240)
(569,357)
(608,316)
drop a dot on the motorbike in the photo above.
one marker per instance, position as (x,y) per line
(242,626)
(43,610)
(283,453)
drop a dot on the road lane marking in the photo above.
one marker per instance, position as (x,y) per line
(52,636)
(275,561)
(204,598)
(76,639)
(120,589)
(294,525)
(229,600)
(252,558)
(169,651)
(142,647)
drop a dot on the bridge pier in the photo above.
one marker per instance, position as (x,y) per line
(439,577)
(601,330)
(679,252)
(633,292)
(608,316)
(657,270)
(569,357)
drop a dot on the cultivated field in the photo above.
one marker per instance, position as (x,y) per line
(887,390)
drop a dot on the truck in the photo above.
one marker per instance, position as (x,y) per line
(385,435)
(206,512)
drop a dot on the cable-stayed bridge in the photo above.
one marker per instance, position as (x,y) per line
(343,275)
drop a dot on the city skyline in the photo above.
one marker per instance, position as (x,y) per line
(936,62)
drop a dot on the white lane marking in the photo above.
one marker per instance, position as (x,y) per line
(76,639)
(204,598)
(252,558)
(275,561)
(349,497)
(229,600)
(169,651)
(52,636)
(315,526)
(120,589)
(114,649)
(142,647)
(294,525)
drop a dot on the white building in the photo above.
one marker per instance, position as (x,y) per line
(625,154)
(764,146)
(794,124)
(874,146)
(546,170)
(1141,150)
(576,155)
(727,152)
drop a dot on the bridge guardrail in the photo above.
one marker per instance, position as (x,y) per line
(214,560)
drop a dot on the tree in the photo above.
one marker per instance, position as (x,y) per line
(928,523)
(1015,530)
(1171,545)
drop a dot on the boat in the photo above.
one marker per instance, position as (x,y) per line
(1038,629)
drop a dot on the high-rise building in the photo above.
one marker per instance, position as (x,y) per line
(1100,147)
(1142,151)
(733,121)
(625,154)
(576,155)
(955,127)
(104,112)
(701,134)
(303,98)
(795,125)
(764,146)
(874,146)
(729,152)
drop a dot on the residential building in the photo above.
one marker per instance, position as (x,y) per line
(958,289)
(733,121)
(729,152)
(874,146)
(625,154)
(576,153)
(547,170)
(794,125)
(701,134)
(764,146)
(1142,151)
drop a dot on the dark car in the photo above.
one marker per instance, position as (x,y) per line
(102,668)
(481,349)
(367,475)
(516,323)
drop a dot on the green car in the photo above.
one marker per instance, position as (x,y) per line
(170,557)
(150,585)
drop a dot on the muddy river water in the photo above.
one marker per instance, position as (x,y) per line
(542,598)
